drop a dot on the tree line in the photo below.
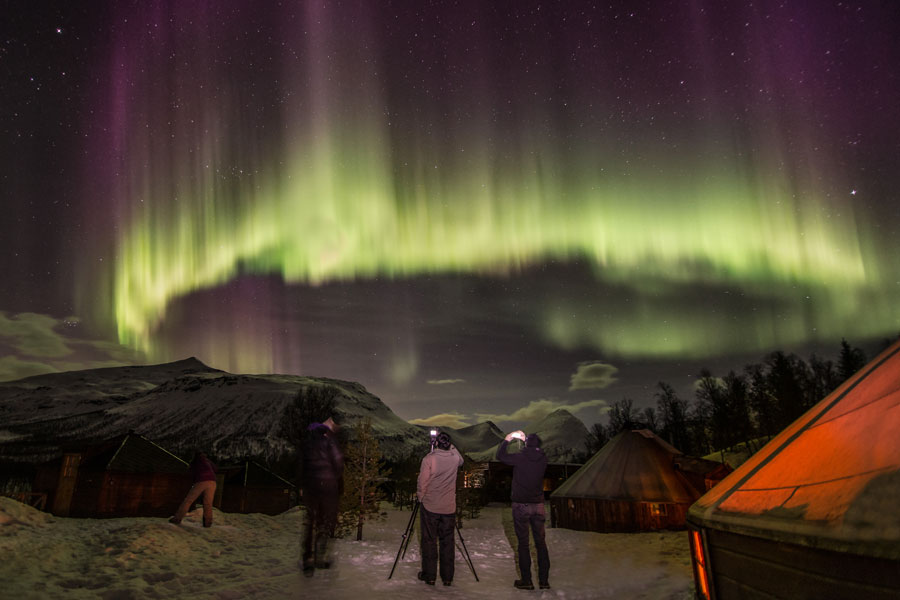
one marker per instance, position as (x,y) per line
(748,406)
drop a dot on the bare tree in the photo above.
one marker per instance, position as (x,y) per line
(672,412)
(622,416)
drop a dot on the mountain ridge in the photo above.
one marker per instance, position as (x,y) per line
(186,405)
(562,435)
(183,405)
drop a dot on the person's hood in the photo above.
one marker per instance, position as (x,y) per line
(437,450)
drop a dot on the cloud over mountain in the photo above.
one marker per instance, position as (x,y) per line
(593,376)
(539,409)
(454,420)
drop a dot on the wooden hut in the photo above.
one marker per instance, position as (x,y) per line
(813,514)
(249,487)
(631,484)
(127,476)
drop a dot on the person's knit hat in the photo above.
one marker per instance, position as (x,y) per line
(532,440)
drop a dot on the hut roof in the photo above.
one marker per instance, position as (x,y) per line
(133,453)
(634,465)
(831,479)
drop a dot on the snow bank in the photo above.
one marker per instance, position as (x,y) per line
(257,556)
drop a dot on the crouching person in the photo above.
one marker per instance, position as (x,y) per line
(436,490)
(203,472)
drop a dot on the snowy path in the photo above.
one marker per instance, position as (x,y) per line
(256,556)
(583,565)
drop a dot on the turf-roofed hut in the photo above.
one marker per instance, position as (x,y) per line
(127,476)
(816,512)
(632,484)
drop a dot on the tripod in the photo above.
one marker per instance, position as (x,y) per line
(404,543)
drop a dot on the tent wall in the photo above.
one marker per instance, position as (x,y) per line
(616,516)
(751,568)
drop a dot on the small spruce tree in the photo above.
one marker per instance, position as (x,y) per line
(364,470)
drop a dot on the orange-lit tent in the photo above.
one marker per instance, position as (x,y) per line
(631,484)
(816,512)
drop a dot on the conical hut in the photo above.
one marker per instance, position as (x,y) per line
(632,484)
(813,514)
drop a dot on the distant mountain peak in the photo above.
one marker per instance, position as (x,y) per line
(562,435)
(561,412)
(558,416)
(190,363)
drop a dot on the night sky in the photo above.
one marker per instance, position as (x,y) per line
(475,209)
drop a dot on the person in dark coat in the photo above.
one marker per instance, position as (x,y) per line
(320,481)
(528,505)
(203,473)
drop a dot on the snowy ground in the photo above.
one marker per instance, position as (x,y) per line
(256,556)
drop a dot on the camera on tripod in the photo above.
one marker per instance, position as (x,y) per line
(442,441)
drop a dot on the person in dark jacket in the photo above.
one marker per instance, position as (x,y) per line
(320,482)
(528,505)
(203,473)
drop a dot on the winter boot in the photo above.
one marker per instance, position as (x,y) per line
(545,585)
(422,577)
(521,584)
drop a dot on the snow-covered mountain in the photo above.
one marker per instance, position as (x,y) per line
(183,406)
(476,438)
(562,436)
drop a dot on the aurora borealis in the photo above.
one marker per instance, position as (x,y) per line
(488,194)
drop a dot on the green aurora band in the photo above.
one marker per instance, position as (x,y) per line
(341,183)
(341,215)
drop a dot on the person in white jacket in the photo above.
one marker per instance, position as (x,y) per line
(436,490)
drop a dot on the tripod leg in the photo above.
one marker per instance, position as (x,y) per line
(404,541)
(410,528)
(465,553)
